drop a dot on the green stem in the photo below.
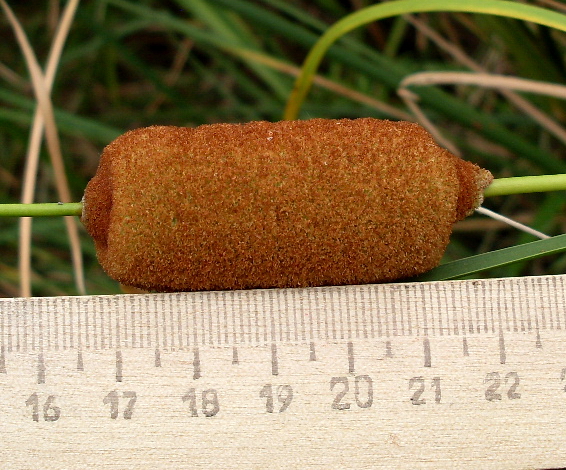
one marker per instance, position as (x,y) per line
(499,187)
(526,184)
(41,210)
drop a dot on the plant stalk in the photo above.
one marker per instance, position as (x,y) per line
(41,210)
(526,184)
(499,187)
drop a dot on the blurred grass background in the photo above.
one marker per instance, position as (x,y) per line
(128,64)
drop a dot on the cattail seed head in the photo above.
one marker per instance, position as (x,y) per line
(286,204)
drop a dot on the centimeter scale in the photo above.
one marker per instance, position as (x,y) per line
(459,374)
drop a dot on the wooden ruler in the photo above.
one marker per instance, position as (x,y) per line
(463,374)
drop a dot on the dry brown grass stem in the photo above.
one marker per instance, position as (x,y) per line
(328,84)
(484,80)
(44,120)
(459,55)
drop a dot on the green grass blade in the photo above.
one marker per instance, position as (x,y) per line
(400,7)
(493,259)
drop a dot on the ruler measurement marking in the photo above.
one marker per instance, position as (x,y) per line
(423,312)
(427,354)
(92,312)
(197,372)
(413,315)
(202,326)
(333,330)
(389,307)
(351,365)
(129,334)
(56,324)
(396,314)
(25,332)
(516,303)
(80,361)
(39,313)
(235,358)
(341,317)
(367,300)
(326,319)
(488,314)
(204,318)
(157,358)
(312,355)
(270,335)
(119,366)
(539,308)
(378,313)
(467,308)
(179,324)
(51,328)
(193,336)
(531,304)
(429,314)
(502,353)
(465,348)
(529,318)
(494,298)
(17,328)
(442,300)
(553,291)
(546,294)
(483,310)
(275,317)
(360,309)
(350,304)
(40,368)
(298,317)
(243,311)
(274,360)
(388,349)
(538,341)
(507,304)
(153,330)
(160,325)
(118,333)
(388,313)
(225,319)
(257,325)
(5,325)
(286,318)
(314,315)
(452,302)
(211,313)
(68,331)
(406,327)
(99,320)
(3,358)
(235,304)
(302,315)
(142,308)
(169,317)
(341,320)
(130,323)
(117,321)
(4,315)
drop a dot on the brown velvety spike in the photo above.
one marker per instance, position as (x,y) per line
(286,204)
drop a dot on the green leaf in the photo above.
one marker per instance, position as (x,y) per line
(493,259)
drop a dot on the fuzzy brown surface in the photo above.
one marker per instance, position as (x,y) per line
(287,204)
